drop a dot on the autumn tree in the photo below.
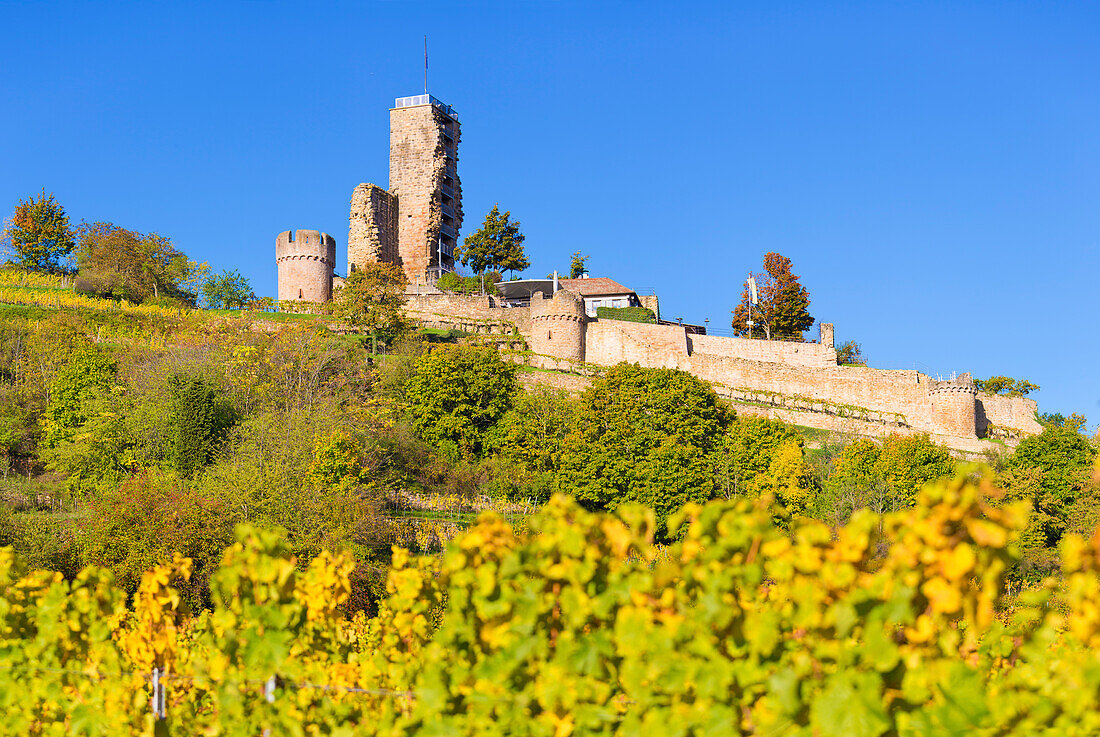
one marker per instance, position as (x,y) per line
(577,266)
(125,264)
(498,244)
(1006,386)
(372,299)
(850,354)
(783,303)
(39,233)
(882,476)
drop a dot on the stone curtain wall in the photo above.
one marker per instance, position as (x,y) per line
(305,260)
(608,342)
(798,354)
(471,314)
(611,341)
(996,413)
(372,227)
(794,382)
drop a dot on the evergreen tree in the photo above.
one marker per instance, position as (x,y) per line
(200,420)
(783,303)
(39,233)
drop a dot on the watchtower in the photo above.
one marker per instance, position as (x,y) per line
(424,136)
(558,325)
(954,406)
(306,260)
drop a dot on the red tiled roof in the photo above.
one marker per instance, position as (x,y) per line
(594,286)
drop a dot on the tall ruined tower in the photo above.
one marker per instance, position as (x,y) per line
(424,135)
(415,223)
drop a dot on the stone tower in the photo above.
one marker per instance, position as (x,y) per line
(558,326)
(954,407)
(424,135)
(372,227)
(306,260)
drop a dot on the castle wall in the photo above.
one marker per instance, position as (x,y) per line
(798,382)
(472,314)
(1006,412)
(372,227)
(608,342)
(798,354)
(611,341)
(898,396)
(305,260)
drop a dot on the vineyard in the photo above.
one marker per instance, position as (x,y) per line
(577,624)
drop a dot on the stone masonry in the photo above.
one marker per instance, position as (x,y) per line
(415,223)
(372,227)
(796,382)
(305,260)
(422,160)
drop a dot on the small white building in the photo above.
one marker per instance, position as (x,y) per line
(600,291)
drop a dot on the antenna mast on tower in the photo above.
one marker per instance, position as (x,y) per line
(425,63)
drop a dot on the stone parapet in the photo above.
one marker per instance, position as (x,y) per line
(305,260)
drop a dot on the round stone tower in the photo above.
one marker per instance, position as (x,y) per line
(306,259)
(558,326)
(954,405)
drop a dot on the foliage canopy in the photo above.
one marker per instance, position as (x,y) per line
(783,303)
(39,233)
(497,245)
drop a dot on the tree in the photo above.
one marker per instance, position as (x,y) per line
(1075,422)
(783,303)
(1062,454)
(498,244)
(888,476)
(123,264)
(531,433)
(746,452)
(1006,385)
(643,435)
(226,291)
(39,233)
(577,267)
(199,421)
(372,299)
(88,372)
(457,394)
(850,354)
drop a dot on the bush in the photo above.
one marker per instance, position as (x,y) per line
(457,394)
(455,284)
(643,435)
(200,420)
(627,314)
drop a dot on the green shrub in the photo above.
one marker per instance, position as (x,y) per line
(627,314)
(455,284)
(200,422)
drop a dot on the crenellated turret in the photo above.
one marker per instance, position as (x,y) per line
(306,260)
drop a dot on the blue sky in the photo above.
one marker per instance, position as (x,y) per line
(933,169)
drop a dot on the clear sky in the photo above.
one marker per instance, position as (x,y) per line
(932,168)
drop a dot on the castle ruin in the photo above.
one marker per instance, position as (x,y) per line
(415,224)
(305,260)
